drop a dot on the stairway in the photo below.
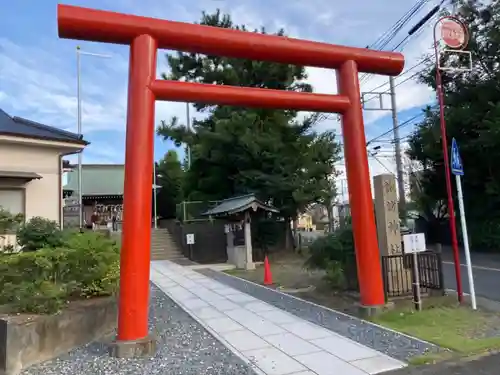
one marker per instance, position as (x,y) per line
(163,246)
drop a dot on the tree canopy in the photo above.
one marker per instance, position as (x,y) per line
(472,112)
(169,178)
(275,154)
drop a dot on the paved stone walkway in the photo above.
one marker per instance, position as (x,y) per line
(271,340)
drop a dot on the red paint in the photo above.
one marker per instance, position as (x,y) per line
(110,27)
(449,189)
(146,35)
(444,143)
(268,277)
(136,237)
(248,97)
(453,33)
(360,195)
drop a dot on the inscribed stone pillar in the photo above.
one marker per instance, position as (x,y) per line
(387,214)
(398,278)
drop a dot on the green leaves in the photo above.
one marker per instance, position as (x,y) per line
(271,153)
(85,265)
(472,116)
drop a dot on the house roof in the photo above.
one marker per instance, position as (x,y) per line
(28,176)
(239,204)
(21,127)
(98,179)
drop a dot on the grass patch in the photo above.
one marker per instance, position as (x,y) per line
(458,328)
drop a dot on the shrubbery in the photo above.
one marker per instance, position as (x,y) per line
(335,254)
(38,233)
(82,265)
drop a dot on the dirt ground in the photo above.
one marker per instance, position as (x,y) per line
(288,271)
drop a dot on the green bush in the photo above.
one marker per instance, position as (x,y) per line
(337,246)
(335,253)
(9,221)
(335,274)
(38,233)
(85,265)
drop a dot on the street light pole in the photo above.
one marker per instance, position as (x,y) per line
(79,52)
(79,131)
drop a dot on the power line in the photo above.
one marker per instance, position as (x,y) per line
(382,164)
(401,125)
(404,73)
(417,29)
(390,34)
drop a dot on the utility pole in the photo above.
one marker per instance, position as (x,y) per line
(379,95)
(397,150)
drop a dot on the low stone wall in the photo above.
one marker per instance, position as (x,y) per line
(29,339)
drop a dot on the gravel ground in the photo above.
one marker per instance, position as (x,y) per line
(391,343)
(184,348)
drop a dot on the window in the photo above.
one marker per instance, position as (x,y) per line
(12,200)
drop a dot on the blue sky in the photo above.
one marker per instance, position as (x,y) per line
(38,70)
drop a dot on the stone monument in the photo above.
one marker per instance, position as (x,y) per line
(389,236)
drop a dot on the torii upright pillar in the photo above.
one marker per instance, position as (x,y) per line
(145,36)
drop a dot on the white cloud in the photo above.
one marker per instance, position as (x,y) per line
(38,78)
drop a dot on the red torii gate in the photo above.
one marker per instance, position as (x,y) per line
(145,36)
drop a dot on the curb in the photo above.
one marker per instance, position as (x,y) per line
(482,302)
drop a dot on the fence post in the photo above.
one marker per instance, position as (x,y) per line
(385,276)
(184,211)
(440,270)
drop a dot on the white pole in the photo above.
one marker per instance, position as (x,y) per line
(154,195)
(79,52)
(466,241)
(79,131)
(416,270)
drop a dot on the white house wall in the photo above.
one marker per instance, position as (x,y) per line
(43,195)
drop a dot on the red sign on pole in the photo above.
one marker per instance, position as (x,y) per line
(453,33)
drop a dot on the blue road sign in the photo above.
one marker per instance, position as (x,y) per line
(457,167)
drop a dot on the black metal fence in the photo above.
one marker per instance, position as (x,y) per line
(399,273)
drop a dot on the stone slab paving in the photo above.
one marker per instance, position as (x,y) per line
(394,344)
(184,348)
(271,340)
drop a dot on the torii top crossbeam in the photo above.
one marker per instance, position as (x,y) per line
(110,27)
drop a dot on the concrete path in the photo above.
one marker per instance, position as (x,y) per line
(271,340)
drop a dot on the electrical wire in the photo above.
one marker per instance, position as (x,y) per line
(382,164)
(390,34)
(401,125)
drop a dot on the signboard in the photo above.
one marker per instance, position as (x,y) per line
(414,243)
(190,239)
(457,167)
(453,33)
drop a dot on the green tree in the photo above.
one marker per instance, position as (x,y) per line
(272,153)
(472,115)
(169,176)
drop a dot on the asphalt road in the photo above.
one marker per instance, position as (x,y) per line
(486,272)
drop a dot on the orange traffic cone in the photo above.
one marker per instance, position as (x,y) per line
(268,277)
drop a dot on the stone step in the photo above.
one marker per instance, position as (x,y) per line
(161,240)
(164,246)
(165,257)
(166,251)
